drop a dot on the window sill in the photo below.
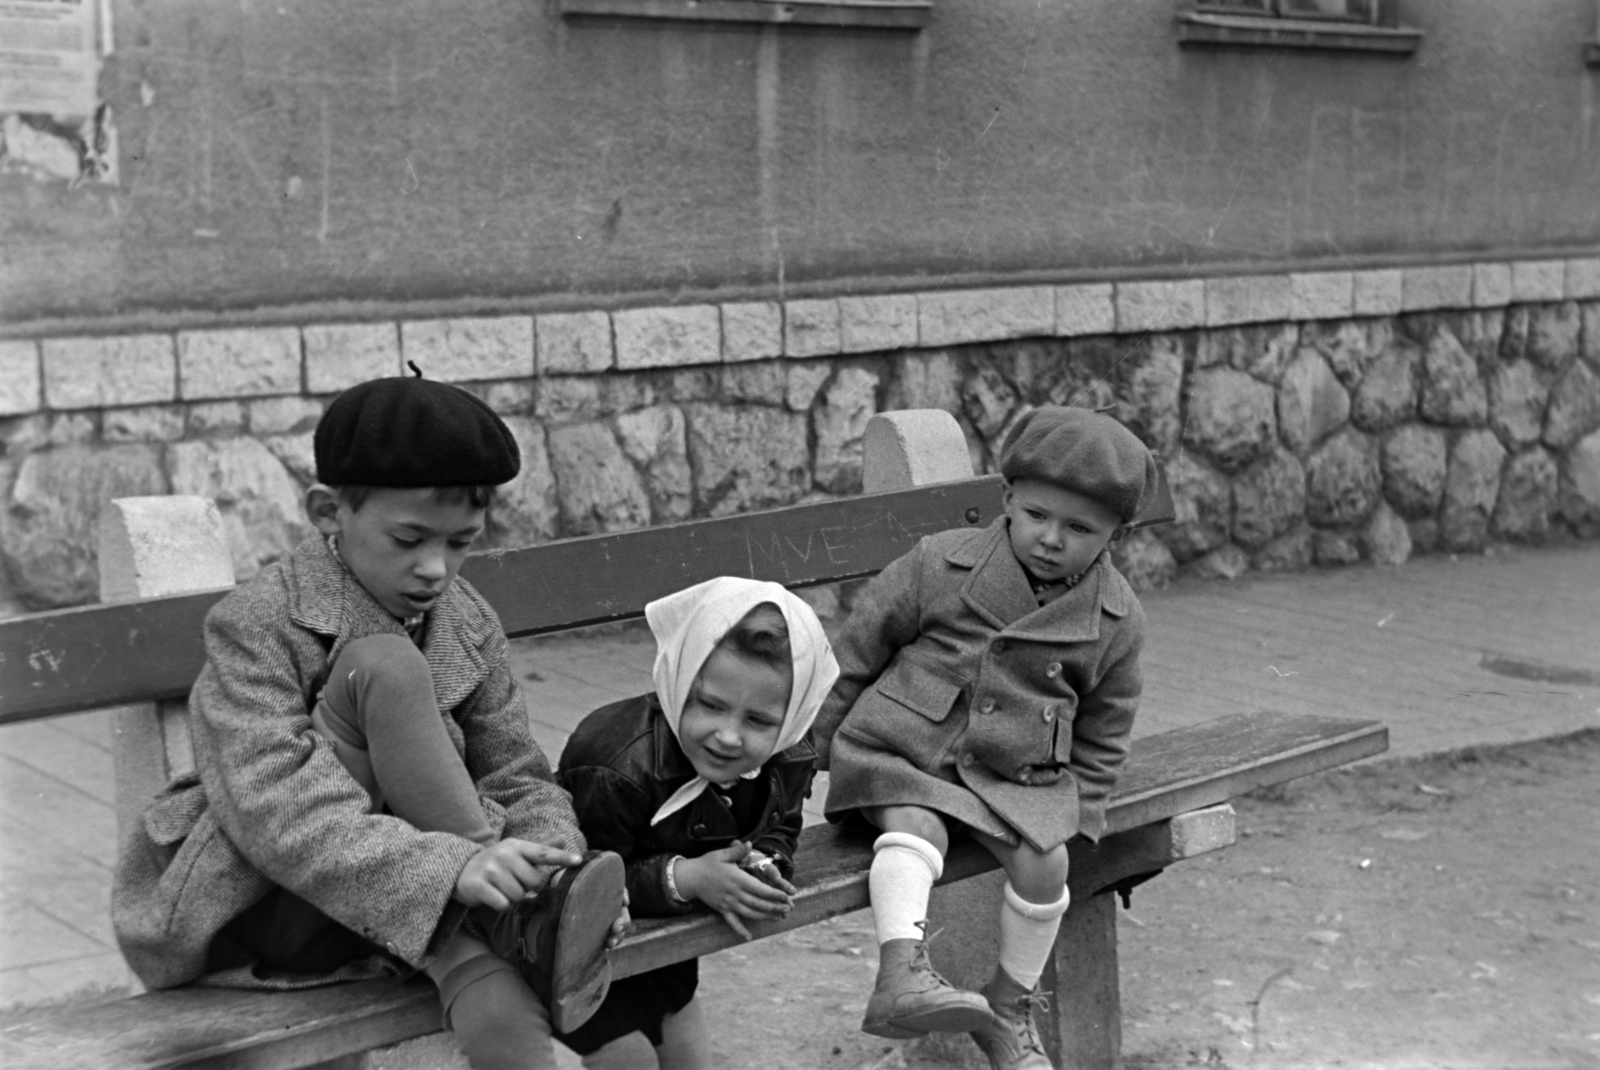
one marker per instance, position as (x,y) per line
(874,14)
(1198,29)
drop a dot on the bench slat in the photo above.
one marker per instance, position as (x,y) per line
(143,651)
(1168,774)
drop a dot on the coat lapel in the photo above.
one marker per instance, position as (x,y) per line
(1075,616)
(997,590)
(328,600)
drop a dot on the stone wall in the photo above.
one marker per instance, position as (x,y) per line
(1304,419)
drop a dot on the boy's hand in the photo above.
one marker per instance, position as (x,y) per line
(502,873)
(718,881)
(622,925)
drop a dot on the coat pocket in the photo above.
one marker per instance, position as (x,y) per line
(919,688)
(176,811)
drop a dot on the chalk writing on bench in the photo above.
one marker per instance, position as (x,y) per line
(788,553)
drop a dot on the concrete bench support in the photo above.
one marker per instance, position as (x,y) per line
(151,547)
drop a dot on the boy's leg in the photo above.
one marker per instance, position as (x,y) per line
(378,711)
(1035,899)
(910,998)
(498,1022)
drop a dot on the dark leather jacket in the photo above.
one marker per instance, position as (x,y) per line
(623,762)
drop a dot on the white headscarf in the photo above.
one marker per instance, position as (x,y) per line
(688,626)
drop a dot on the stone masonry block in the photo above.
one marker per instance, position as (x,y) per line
(1377,293)
(876,323)
(668,337)
(1491,285)
(1583,279)
(340,355)
(811,327)
(752,330)
(573,342)
(1441,286)
(955,317)
(470,348)
(1247,299)
(1088,308)
(248,362)
(1160,305)
(91,373)
(1321,295)
(1538,280)
(19,378)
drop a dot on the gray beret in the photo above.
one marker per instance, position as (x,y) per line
(1083,451)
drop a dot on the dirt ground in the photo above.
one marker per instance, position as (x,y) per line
(1442,912)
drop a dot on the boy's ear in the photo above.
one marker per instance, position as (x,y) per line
(322,508)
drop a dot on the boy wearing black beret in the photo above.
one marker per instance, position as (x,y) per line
(988,683)
(368,797)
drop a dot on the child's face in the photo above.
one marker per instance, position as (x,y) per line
(405,545)
(1056,533)
(735,710)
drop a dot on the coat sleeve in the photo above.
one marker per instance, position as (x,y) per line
(508,767)
(781,840)
(1102,727)
(613,810)
(281,795)
(886,617)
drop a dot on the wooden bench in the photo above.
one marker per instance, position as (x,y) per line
(143,654)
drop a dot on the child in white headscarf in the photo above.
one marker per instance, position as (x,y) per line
(699,786)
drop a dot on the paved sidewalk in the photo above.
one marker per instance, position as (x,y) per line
(1449,652)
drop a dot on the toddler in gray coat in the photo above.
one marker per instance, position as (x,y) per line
(988,683)
(368,798)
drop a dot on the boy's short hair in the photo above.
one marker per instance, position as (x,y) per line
(762,634)
(1084,451)
(479,496)
(412,432)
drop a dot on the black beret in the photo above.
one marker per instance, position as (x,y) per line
(413,432)
(1083,451)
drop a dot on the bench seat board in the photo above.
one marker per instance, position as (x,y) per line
(1168,774)
(149,650)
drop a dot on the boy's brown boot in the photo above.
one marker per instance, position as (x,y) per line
(557,938)
(911,999)
(1011,1040)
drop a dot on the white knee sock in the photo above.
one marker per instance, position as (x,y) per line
(1027,933)
(904,868)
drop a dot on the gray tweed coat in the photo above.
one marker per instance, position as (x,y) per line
(959,692)
(272,805)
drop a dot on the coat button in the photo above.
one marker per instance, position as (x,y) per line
(1024,777)
(988,706)
(968,760)
(395,951)
(1054,670)
(998,646)
(699,830)
(1049,714)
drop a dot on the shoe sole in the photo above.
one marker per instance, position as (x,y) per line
(580,973)
(960,1018)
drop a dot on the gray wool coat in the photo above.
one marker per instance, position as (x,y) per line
(959,692)
(271,804)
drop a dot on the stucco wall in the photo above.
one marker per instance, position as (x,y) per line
(303,152)
(1302,418)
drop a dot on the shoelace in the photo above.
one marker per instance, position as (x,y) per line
(1027,1006)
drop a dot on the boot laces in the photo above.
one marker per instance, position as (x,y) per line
(1023,1012)
(920,962)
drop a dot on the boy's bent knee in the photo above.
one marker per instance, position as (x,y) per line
(1039,876)
(385,664)
(916,820)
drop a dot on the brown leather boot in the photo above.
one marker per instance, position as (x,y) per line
(557,938)
(911,999)
(1011,1041)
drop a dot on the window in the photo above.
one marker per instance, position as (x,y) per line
(1338,25)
